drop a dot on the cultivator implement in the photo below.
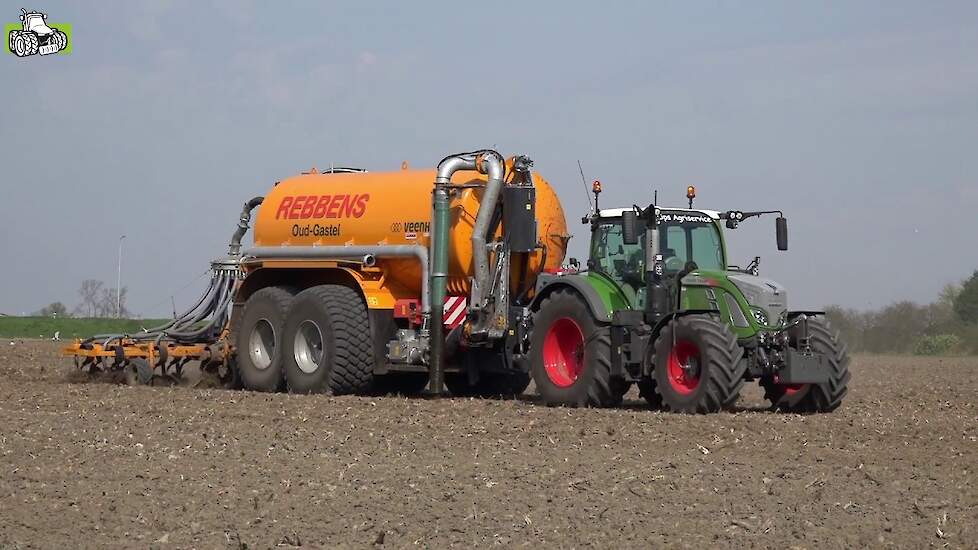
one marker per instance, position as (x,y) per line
(199,334)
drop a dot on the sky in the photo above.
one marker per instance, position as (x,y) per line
(858,119)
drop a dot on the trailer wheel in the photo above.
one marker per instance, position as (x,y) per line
(698,367)
(809,398)
(258,339)
(327,342)
(570,354)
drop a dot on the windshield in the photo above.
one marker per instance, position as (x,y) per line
(683,236)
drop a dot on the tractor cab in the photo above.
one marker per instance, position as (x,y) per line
(685,236)
(34,22)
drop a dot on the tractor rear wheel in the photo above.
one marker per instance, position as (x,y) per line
(570,354)
(11,38)
(61,39)
(20,46)
(258,339)
(811,398)
(327,342)
(698,367)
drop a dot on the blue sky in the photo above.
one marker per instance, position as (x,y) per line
(858,119)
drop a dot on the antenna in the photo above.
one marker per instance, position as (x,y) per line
(584,181)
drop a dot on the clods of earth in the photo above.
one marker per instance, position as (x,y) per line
(101,465)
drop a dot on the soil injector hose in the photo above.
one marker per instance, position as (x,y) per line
(203,322)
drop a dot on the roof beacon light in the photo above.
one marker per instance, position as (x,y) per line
(690,194)
(596,189)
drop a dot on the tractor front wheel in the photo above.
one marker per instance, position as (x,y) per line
(570,354)
(813,398)
(698,367)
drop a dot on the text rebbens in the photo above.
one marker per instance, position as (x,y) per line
(303,207)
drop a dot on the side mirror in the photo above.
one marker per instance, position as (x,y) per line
(781,228)
(629,227)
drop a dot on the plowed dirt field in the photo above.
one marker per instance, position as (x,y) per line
(102,465)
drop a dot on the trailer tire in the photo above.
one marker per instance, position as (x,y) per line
(258,339)
(570,354)
(716,371)
(327,342)
(814,398)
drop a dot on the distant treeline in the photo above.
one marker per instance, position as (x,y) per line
(947,326)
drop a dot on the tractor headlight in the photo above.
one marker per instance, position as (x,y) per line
(760,315)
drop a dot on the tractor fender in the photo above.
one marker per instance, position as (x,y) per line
(549,283)
(677,314)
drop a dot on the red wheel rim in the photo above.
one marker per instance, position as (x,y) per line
(563,352)
(683,366)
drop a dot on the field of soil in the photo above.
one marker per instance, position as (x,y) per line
(102,465)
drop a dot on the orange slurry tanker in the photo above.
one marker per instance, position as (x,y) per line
(361,281)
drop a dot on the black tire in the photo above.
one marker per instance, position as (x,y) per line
(258,339)
(814,398)
(32,45)
(490,384)
(400,383)
(570,354)
(327,342)
(20,46)
(708,345)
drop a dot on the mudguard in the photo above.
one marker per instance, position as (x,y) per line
(547,283)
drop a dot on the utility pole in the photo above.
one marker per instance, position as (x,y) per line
(118,284)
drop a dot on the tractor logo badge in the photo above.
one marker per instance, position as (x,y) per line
(34,35)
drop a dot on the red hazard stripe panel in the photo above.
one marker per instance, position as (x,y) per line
(454,311)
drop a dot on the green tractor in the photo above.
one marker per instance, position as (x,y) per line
(660,306)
